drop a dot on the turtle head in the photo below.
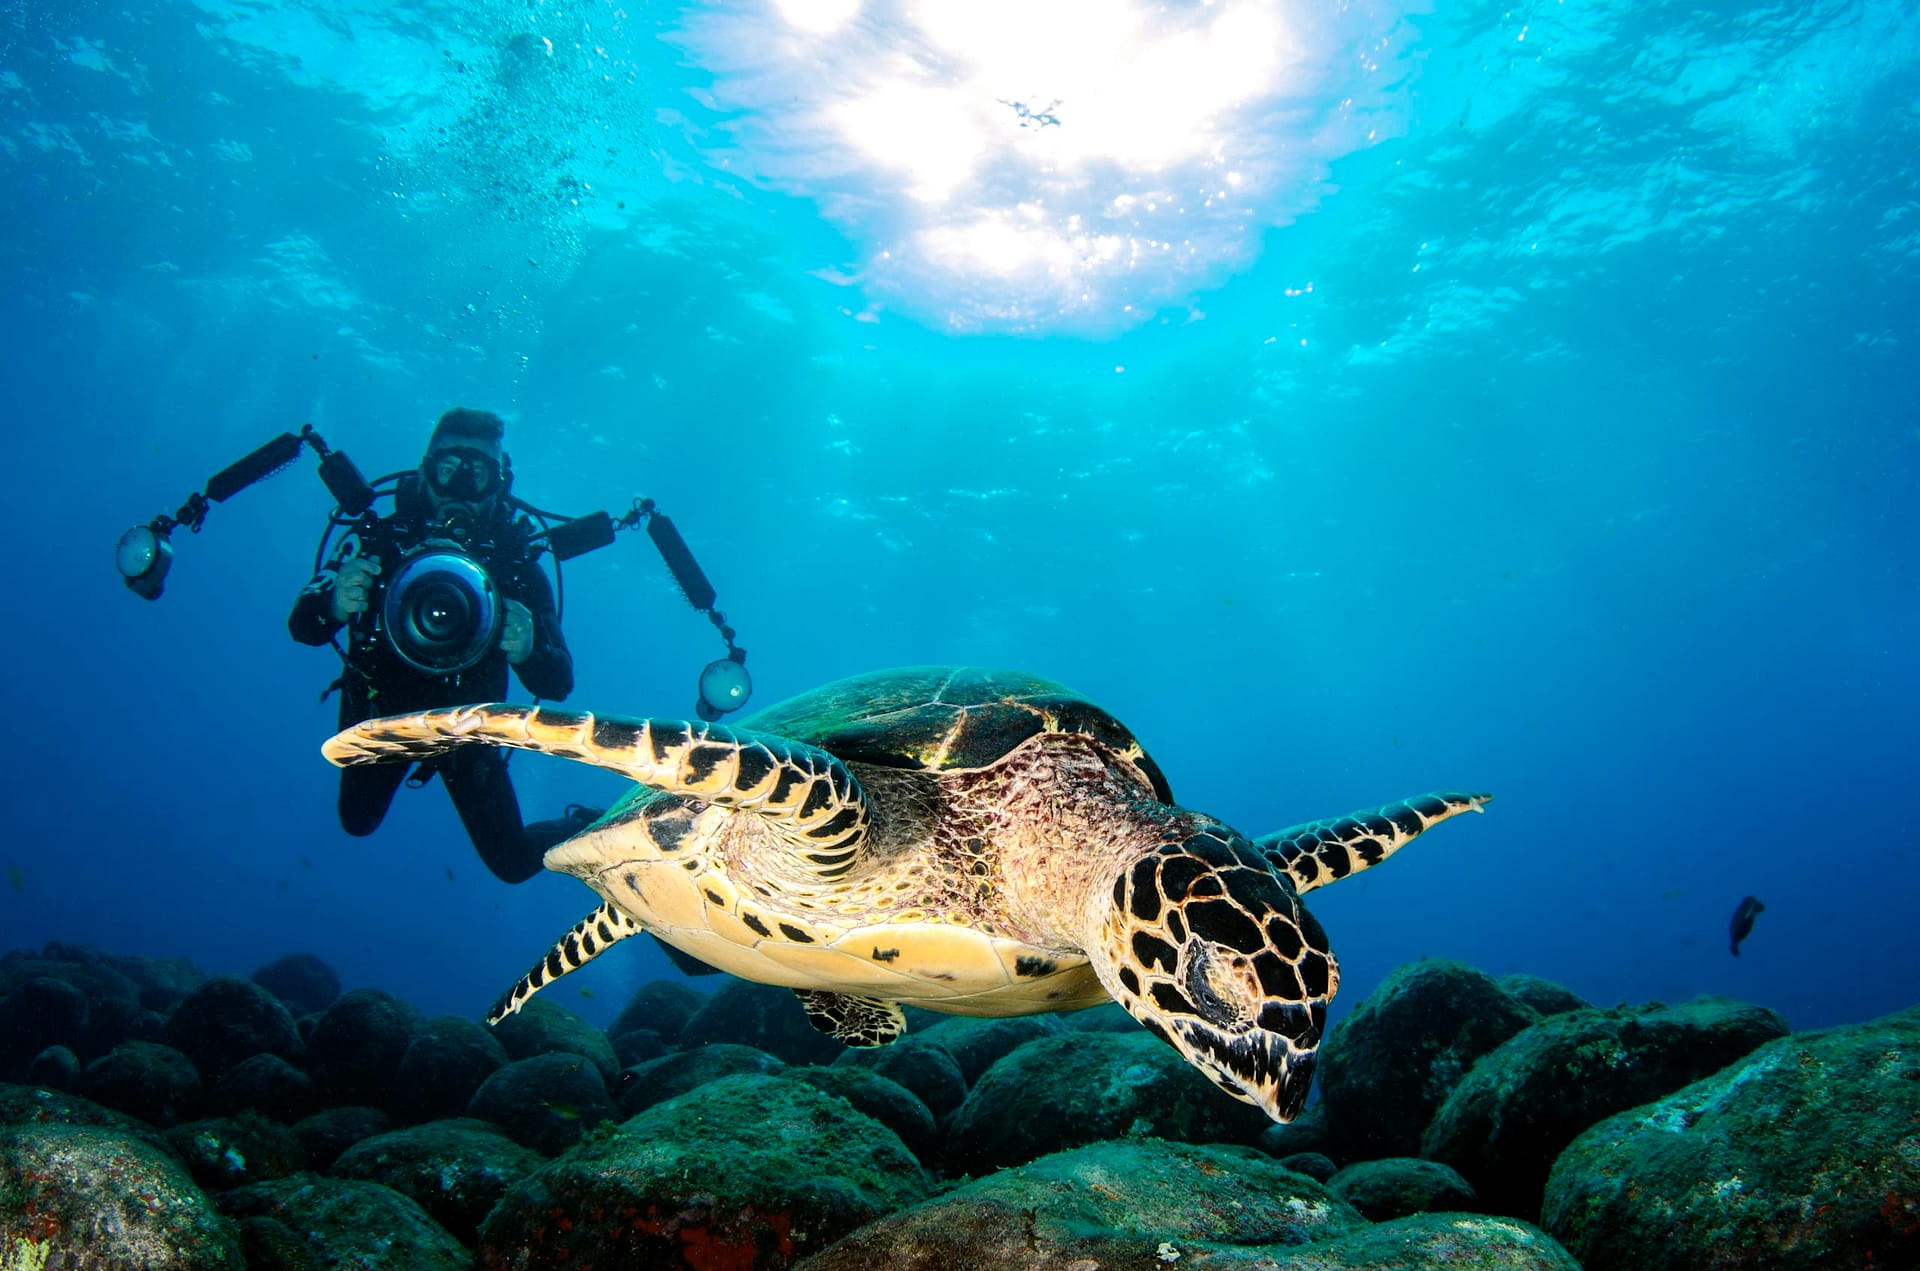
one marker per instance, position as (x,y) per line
(1212,950)
(647,825)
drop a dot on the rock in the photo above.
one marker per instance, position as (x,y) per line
(925,1067)
(1073,1088)
(1108,1205)
(546,1102)
(1110,1017)
(1386,1070)
(456,1170)
(1800,1155)
(56,1068)
(40,1013)
(113,1020)
(659,1006)
(27,1105)
(76,966)
(357,1045)
(339,1222)
(978,1044)
(227,1020)
(326,1134)
(761,1016)
(266,1084)
(1523,1102)
(1312,1164)
(444,1064)
(1401,1185)
(547,1028)
(1544,996)
(304,984)
(156,1083)
(657,1080)
(888,1102)
(1305,1133)
(637,1045)
(746,1171)
(88,1196)
(157,983)
(225,1152)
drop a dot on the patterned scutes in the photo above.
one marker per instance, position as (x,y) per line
(942,718)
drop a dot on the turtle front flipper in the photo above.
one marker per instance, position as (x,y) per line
(1316,853)
(590,937)
(802,792)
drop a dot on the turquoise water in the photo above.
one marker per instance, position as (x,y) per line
(1354,401)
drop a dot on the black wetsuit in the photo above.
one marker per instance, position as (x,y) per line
(377,682)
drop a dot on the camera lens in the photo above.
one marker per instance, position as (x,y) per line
(441,613)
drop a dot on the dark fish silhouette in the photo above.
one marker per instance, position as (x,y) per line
(1742,924)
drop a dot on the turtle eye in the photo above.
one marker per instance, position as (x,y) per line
(1216,985)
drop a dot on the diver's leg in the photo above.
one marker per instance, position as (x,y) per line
(366,794)
(476,777)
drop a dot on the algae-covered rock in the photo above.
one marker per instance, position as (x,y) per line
(447,1060)
(225,1152)
(761,1016)
(747,1171)
(1526,1100)
(670,1076)
(546,1102)
(662,1007)
(89,1196)
(922,1066)
(227,1019)
(1100,1201)
(978,1044)
(1387,1068)
(309,1221)
(266,1084)
(38,1013)
(30,1105)
(1073,1088)
(1305,1133)
(326,1134)
(303,983)
(357,1045)
(547,1028)
(1802,1154)
(148,1080)
(888,1102)
(455,1169)
(1315,1165)
(1398,1186)
(1545,996)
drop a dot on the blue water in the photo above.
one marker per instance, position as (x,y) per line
(1535,414)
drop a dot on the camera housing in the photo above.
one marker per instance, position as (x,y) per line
(441,612)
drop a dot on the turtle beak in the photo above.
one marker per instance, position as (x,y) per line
(1269,1070)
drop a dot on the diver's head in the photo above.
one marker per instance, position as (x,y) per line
(464,464)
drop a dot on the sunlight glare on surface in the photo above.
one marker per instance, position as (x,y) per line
(1007,165)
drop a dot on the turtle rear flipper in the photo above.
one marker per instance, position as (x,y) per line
(1315,853)
(803,793)
(852,1020)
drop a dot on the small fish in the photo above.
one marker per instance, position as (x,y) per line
(565,1111)
(585,991)
(1742,924)
(15,879)
(449,873)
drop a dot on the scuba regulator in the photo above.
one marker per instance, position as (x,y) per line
(441,611)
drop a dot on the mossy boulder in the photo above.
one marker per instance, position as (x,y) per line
(662,1007)
(456,1170)
(670,1076)
(228,1019)
(89,1196)
(748,1171)
(227,1152)
(546,1102)
(1522,1103)
(1073,1088)
(308,1221)
(921,1065)
(1108,1202)
(978,1044)
(547,1028)
(1544,996)
(1387,1068)
(1801,1155)
(445,1063)
(764,1017)
(154,1082)
(1402,1185)
(888,1102)
(357,1044)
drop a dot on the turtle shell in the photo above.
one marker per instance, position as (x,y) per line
(937,718)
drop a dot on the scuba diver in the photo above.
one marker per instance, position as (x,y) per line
(429,571)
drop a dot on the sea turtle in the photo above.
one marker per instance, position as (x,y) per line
(970,841)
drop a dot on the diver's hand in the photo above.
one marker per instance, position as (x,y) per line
(516,633)
(352,585)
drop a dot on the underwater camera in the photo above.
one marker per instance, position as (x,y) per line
(441,611)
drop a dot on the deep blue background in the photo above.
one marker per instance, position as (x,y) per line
(1608,506)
